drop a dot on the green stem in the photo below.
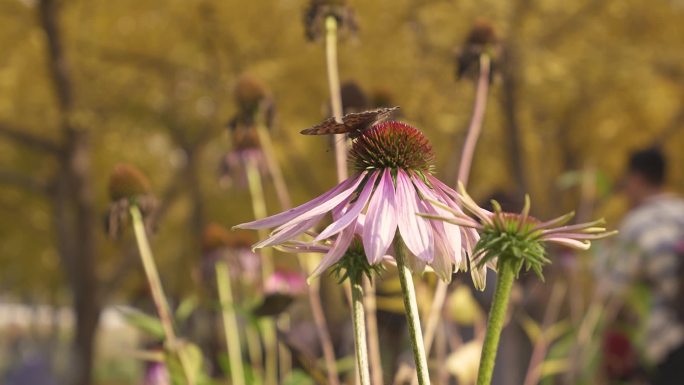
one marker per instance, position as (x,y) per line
(335,95)
(412,316)
(267,326)
(273,166)
(497,315)
(359,322)
(152,274)
(372,327)
(230,324)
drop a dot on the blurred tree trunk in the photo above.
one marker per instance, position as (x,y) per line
(73,204)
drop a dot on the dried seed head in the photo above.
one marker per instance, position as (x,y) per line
(481,40)
(127,186)
(127,181)
(353,97)
(254,101)
(392,145)
(382,97)
(319,10)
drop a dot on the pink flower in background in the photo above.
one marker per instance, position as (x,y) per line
(285,282)
(393,182)
(156,374)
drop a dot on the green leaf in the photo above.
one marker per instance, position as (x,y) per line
(144,322)
(297,377)
(185,309)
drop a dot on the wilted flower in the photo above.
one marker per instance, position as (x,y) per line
(319,10)
(128,185)
(392,182)
(519,238)
(481,40)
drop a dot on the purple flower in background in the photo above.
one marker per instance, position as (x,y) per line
(393,182)
(285,282)
(156,374)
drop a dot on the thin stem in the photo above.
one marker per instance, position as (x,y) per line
(542,344)
(476,120)
(254,348)
(230,324)
(267,326)
(472,136)
(359,322)
(152,274)
(284,355)
(272,164)
(497,315)
(412,316)
(372,326)
(335,95)
(268,331)
(256,191)
(321,326)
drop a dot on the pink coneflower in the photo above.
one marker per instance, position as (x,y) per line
(520,238)
(393,182)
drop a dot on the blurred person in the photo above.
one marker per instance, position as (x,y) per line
(647,252)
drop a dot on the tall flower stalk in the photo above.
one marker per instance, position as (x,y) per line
(170,340)
(335,95)
(510,241)
(267,325)
(412,316)
(230,324)
(478,44)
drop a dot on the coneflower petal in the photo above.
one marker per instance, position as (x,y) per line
(451,232)
(338,194)
(380,224)
(415,230)
(352,213)
(572,243)
(288,233)
(336,251)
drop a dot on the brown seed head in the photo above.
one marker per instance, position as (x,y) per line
(127,181)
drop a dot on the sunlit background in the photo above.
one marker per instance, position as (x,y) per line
(86,85)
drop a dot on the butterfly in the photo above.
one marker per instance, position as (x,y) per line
(353,124)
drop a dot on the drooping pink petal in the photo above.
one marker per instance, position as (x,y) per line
(578,236)
(415,230)
(352,214)
(580,227)
(302,247)
(336,252)
(288,233)
(338,193)
(442,187)
(479,277)
(468,202)
(451,233)
(556,221)
(380,224)
(572,243)
(443,263)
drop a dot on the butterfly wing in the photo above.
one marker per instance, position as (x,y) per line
(327,127)
(351,123)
